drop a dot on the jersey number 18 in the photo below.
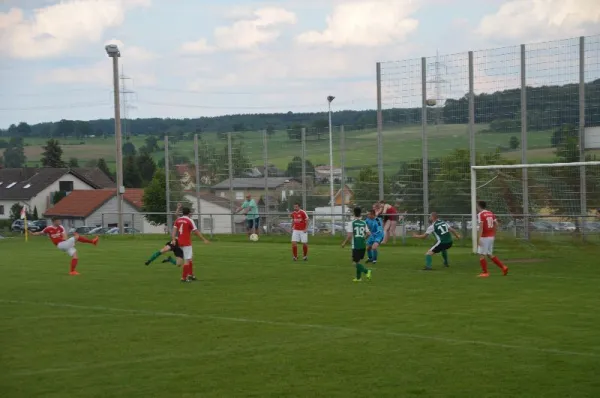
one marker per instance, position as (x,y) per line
(359,232)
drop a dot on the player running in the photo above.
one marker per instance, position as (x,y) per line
(486,234)
(300,222)
(357,233)
(182,234)
(375,237)
(443,234)
(58,236)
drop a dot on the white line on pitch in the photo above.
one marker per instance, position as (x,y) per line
(312,326)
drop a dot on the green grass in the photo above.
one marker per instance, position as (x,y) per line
(400,144)
(258,325)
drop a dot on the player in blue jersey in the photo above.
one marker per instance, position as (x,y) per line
(376,228)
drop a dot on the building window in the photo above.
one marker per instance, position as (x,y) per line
(65,186)
(1,210)
(222,194)
(239,196)
(207,224)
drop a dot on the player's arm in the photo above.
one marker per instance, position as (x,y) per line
(307,220)
(174,235)
(348,237)
(178,210)
(455,233)
(428,232)
(199,234)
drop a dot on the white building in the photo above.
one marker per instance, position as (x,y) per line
(215,214)
(98,208)
(36,188)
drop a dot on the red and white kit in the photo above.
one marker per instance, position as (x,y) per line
(57,236)
(487,224)
(185,227)
(299,226)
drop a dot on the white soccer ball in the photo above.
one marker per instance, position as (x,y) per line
(431,102)
(254,238)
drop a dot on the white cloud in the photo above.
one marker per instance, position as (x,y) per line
(541,19)
(62,27)
(365,23)
(261,27)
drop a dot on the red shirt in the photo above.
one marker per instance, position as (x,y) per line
(391,211)
(487,222)
(299,220)
(185,226)
(56,234)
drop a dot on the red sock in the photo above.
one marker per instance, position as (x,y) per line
(73,264)
(186,271)
(498,262)
(191,268)
(305,249)
(483,265)
(295,250)
(84,240)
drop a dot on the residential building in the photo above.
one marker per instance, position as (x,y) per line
(216,213)
(37,187)
(278,187)
(322,174)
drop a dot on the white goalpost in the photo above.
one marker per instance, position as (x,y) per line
(562,188)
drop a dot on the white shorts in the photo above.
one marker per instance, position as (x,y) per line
(68,246)
(486,246)
(188,253)
(299,236)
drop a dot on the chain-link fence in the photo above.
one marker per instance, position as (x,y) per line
(436,117)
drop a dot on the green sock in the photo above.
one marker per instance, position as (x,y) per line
(154,257)
(364,269)
(172,260)
(358,270)
(445,257)
(428,261)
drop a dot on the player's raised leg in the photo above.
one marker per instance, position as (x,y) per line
(83,239)
(159,253)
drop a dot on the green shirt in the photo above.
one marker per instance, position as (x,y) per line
(441,230)
(253,212)
(359,231)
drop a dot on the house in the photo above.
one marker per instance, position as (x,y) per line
(322,174)
(272,170)
(279,187)
(348,196)
(216,213)
(99,208)
(36,187)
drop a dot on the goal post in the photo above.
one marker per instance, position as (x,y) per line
(556,189)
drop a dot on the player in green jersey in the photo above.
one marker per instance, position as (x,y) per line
(358,233)
(443,235)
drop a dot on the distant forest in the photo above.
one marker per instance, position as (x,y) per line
(548,107)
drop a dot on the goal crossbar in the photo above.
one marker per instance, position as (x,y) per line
(503,167)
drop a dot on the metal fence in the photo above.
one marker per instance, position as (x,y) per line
(436,117)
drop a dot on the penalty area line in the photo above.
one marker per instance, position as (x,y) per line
(414,336)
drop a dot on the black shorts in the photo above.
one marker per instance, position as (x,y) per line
(253,224)
(177,252)
(440,247)
(358,255)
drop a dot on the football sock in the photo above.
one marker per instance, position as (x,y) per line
(498,262)
(73,264)
(375,254)
(358,271)
(370,254)
(295,250)
(154,256)
(172,260)
(305,249)
(186,271)
(428,261)
(483,264)
(445,257)
(83,239)
(191,268)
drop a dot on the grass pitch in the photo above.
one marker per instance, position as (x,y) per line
(259,325)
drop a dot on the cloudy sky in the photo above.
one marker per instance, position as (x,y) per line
(190,58)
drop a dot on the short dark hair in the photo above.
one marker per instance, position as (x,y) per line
(298,203)
(186,211)
(371,211)
(55,218)
(357,211)
(482,204)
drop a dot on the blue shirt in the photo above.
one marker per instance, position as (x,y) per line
(375,227)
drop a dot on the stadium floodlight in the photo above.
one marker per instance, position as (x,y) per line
(113,52)
(557,187)
(331,192)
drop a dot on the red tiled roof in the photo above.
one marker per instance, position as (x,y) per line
(81,204)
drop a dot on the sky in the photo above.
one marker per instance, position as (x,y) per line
(192,58)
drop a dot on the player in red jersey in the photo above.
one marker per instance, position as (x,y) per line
(487,224)
(182,235)
(58,236)
(299,231)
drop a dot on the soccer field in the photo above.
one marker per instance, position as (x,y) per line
(259,325)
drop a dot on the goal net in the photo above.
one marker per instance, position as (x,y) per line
(537,199)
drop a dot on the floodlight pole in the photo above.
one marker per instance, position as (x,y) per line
(114,53)
(331,192)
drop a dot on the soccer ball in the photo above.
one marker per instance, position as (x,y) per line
(431,102)
(254,238)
